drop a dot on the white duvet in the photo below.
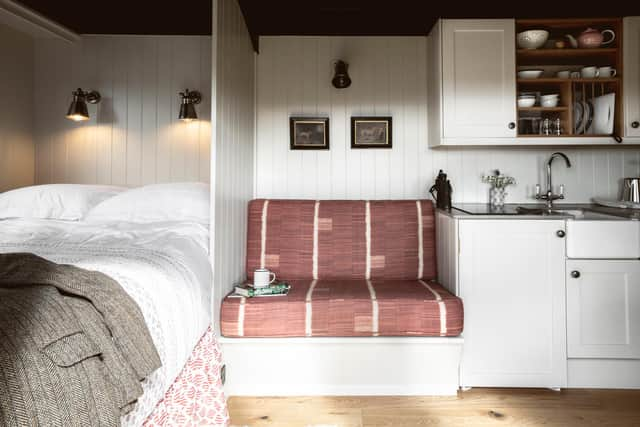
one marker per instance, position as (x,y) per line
(163,266)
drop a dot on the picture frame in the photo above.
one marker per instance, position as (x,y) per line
(372,132)
(309,133)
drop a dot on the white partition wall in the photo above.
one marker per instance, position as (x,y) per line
(232,146)
(16,101)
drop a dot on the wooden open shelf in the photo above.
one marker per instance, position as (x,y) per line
(571,90)
(566,52)
(549,109)
(547,80)
(564,136)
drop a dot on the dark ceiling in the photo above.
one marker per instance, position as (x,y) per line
(303,17)
(186,17)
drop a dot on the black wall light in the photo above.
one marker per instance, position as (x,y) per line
(341,79)
(187,107)
(78,110)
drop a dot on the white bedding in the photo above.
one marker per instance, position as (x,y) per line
(163,266)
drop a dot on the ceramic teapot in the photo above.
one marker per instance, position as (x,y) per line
(592,38)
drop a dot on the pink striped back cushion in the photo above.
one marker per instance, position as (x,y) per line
(328,239)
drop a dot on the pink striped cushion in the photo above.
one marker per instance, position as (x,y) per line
(286,246)
(338,308)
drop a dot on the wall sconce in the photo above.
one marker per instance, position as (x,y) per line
(78,111)
(341,79)
(187,107)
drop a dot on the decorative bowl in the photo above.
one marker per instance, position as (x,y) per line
(526,102)
(529,74)
(549,102)
(532,39)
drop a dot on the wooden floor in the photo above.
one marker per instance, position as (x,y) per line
(477,407)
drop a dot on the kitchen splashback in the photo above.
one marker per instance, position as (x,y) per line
(389,78)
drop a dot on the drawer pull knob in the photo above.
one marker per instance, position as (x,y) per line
(635,125)
(575,274)
(560,233)
(512,125)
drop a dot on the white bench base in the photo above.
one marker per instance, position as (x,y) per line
(367,366)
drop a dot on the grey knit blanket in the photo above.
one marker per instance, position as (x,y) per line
(73,345)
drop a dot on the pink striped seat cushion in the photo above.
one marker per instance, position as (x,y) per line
(342,240)
(339,308)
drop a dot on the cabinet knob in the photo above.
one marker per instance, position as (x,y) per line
(512,125)
(560,233)
(635,124)
(575,274)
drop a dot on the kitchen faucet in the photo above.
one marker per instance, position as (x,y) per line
(549,196)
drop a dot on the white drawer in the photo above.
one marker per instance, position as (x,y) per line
(603,239)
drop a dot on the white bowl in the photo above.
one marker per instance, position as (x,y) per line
(549,102)
(532,39)
(530,74)
(550,96)
(526,102)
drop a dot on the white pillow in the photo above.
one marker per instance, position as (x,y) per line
(187,201)
(54,201)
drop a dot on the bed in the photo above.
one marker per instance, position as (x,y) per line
(163,264)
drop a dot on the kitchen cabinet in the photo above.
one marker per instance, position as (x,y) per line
(473,85)
(478,84)
(632,76)
(511,276)
(603,309)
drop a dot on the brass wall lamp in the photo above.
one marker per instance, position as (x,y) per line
(187,107)
(78,111)
(341,79)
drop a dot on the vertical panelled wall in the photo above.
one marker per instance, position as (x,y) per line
(390,78)
(16,103)
(233,145)
(134,136)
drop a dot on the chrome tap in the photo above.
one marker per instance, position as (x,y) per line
(549,196)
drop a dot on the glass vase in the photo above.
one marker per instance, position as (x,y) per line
(497,197)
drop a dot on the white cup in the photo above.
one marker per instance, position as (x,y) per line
(589,72)
(565,74)
(606,72)
(262,278)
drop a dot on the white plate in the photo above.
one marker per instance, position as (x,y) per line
(603,114)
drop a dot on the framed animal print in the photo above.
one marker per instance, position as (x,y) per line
(371,132)
(309,133)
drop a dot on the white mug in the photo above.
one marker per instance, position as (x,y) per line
(262,278)
(565,74)
(606,72)
(589,72)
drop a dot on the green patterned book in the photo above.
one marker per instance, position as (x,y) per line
(275,289)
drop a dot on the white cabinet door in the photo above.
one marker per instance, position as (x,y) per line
(478,78)
(512,276)
(631,59)
(603,309)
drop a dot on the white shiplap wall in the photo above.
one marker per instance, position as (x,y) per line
(390,78)
(233,146)
(16,102)
(134,136)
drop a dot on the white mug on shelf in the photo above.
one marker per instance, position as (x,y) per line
(262,278)
(607,72)
(589,72)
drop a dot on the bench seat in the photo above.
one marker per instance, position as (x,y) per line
(351,308)
(357,268)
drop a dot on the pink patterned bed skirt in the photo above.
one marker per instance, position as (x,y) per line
(196,398)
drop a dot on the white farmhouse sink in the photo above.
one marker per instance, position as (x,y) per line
(600,236)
